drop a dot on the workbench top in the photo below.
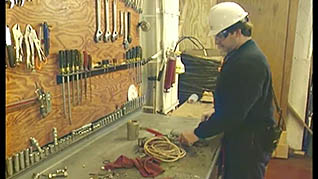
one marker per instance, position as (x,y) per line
(87,155)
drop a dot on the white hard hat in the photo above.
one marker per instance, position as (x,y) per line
(223,15)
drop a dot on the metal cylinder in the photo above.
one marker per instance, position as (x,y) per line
(36,157)
(9,166)
(16,165)
(55,135)
(132,129)
(27,157)
(22,162)
(47,151)
(42,155)
(31,158)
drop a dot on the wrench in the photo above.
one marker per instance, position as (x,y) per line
(125,43)
(128,28)
(115,33)
(107,33)
(99,33)
(121,32)
(140,6)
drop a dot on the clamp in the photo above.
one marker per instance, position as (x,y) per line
(45,100)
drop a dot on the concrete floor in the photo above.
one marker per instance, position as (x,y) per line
(87,156)
(295,167)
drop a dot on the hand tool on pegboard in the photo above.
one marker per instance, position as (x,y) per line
(46,37)
(68,64)
(115,33)
(89,67)
(35,42)
(81,70)
(99,33)
(12,3)
(73,76)
(62,66)
(129,38)
(125,42)
(77,63)
(85,63)
(121,32)
(18,39)
(107,35)
(10,48)
(28,47)
(45,100)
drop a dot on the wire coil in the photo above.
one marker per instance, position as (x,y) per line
(162,149)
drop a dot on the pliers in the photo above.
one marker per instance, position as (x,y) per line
(18,39)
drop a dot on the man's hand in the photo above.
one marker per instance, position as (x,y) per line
(188,138)
(205,116)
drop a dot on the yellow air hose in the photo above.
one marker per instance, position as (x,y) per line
(162,149)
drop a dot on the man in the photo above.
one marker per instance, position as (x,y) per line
(242,98)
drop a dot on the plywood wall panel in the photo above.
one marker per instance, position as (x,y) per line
(194,22)
(73,25)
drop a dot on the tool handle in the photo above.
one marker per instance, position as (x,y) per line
(128,19)
(140,52)
(11,55)
(85,60)
(77,60)
(68,60)
(60,59)
(73,58)
(152,131)
(80,61)
(134,54)
(89,63)
(46,33)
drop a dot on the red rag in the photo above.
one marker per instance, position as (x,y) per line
(148,167)
(121,162)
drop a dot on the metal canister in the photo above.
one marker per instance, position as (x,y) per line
(55,136)
(9,166)
(42,154)
(21,160)
(36,157)
(47,151)
(27,157)
(132,129)
(16,165)
(32,158)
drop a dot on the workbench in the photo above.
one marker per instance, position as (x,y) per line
(87,155)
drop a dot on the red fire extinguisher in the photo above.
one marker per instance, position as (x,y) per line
(170,74)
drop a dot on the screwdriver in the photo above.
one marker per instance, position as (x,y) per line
(68,64)
(62,69)
(89,67)
(73,70)
(85,69)
(76,63)
(81,69)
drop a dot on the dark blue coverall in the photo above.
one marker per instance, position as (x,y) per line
(243,108)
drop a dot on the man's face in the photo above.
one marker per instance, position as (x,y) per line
(226,41)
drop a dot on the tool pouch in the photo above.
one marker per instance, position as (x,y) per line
(271,138)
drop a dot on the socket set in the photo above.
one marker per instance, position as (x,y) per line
(25,159)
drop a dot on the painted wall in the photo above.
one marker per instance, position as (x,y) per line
(298,90)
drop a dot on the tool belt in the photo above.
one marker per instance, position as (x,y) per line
(271,138)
